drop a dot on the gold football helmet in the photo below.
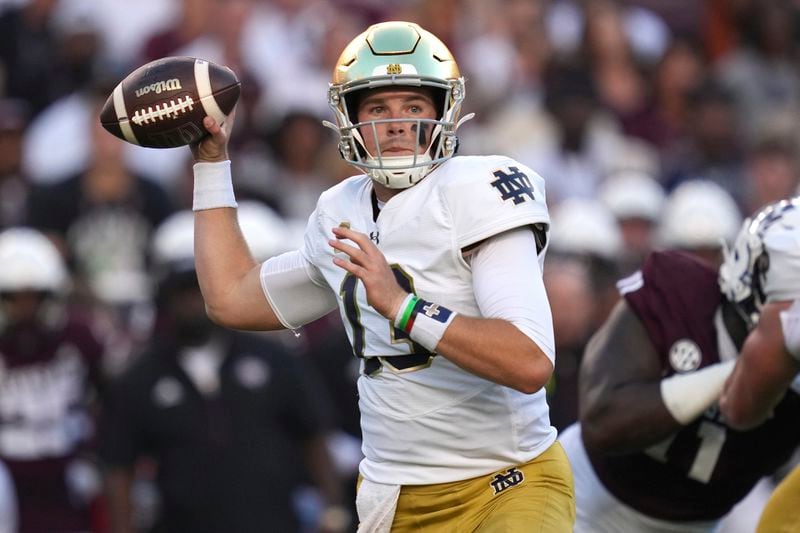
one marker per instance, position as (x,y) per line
(396,54)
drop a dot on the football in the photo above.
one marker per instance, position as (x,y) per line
(162,104)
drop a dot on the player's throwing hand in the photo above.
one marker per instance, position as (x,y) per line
(369,265)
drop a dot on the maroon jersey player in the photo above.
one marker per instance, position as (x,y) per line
(49,358)
(652,452)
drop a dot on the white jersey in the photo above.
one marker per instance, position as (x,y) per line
(441,423)
(782,281)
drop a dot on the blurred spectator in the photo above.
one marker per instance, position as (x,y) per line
(80,43)
(620,45)
(584,142)
(48,49)
(8,502)
(676,77)
(235,424)
(124,26)
(580,274)
(570,291)
(300,144)
(636,200)
(772,172)
(514,36)
(103,220)
(324,345)
(607,28)
(282,41)
(51,368)
(761,72)
(196,18)
(585,227)
(587,230)
(29,52)
(48,159)
(14,116)
(699,216)
(712,149)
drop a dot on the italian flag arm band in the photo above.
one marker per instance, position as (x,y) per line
(425,322)
(405,311)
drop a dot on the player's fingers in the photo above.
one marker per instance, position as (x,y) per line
(356,254)
(361,239)
(212,126)
(349,266)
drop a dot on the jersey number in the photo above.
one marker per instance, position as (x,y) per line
(348,293)
(712,439)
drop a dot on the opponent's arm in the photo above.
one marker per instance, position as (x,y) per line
(620,404)
(492,348)
(764,371)
(227,273)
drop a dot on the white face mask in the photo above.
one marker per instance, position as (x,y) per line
(436,138)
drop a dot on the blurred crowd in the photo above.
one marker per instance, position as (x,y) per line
(656,124)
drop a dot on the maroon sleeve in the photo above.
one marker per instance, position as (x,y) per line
(675,296)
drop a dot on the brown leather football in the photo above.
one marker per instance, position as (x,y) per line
(162,104)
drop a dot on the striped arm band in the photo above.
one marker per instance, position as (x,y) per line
(425,322)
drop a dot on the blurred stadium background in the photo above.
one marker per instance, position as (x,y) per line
(655,124)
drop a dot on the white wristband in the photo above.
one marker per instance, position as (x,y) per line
(213,186)
(686,396)
(425,322)
(790,322)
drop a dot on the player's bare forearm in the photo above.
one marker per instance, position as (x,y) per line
(496,350)
(228,274)
(620,371)
(615,427)
(762,374)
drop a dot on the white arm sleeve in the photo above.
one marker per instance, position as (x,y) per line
(295,289)
(507,281)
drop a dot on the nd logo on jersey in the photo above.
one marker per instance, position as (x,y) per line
(513,186)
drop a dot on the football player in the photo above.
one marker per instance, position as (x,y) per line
(770,358)
(51,369)
(652,453)
(434,263)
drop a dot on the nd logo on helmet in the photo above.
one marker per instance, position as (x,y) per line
(394,68)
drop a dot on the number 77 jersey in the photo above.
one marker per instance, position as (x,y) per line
(700,472)
(419,425)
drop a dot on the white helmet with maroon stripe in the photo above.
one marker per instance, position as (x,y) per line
(763,265)
(30,261)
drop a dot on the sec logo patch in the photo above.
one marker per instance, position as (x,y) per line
(685,356)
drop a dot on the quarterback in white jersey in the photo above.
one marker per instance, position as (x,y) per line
(419,426)
(435,264)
